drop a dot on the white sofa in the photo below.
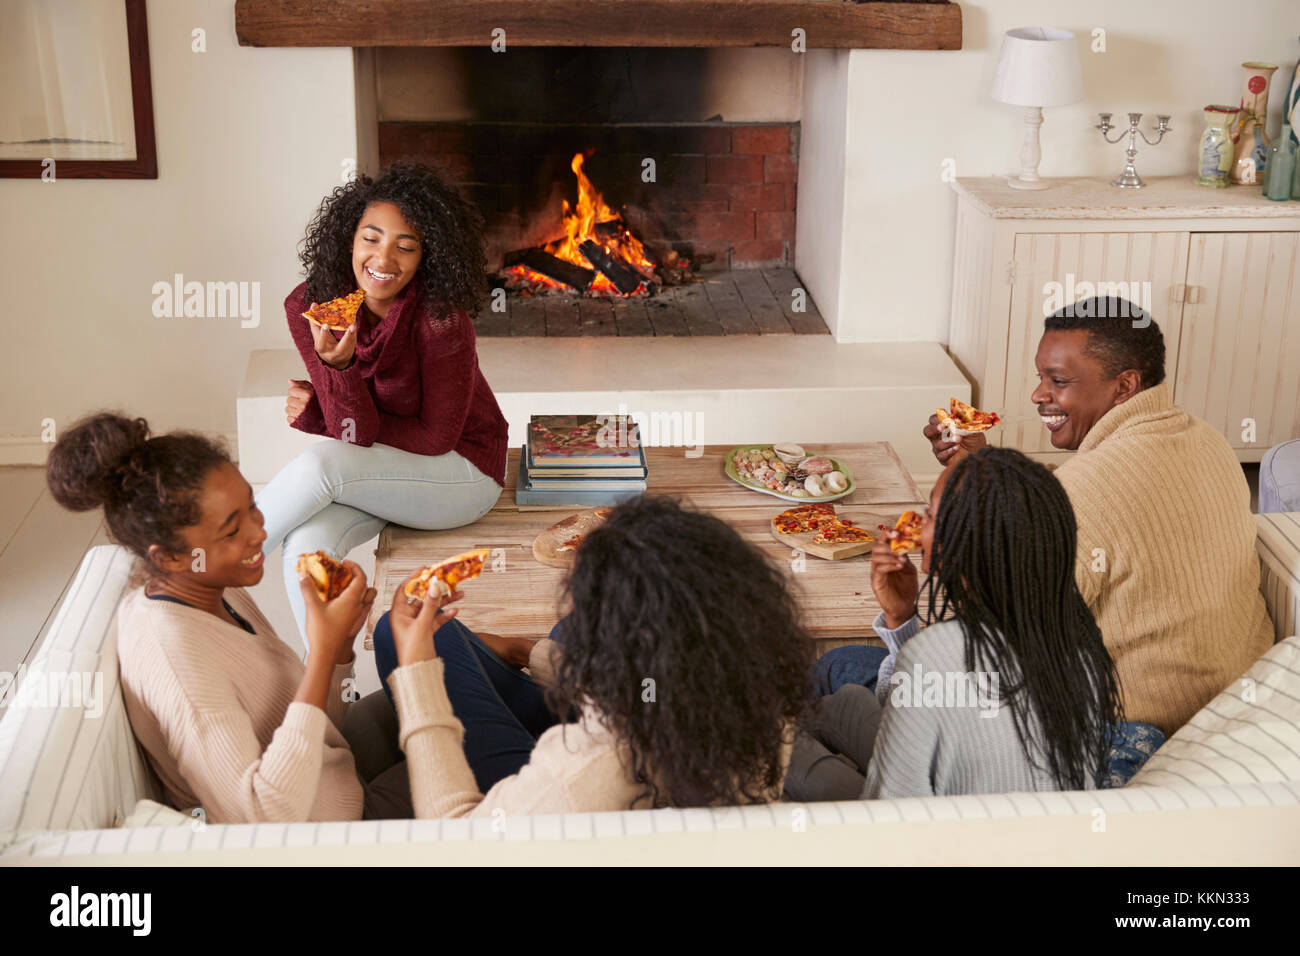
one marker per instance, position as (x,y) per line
(1225,790)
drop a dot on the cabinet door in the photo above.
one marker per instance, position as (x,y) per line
(1050,270)
(1240,352)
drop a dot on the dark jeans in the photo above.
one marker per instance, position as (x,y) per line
(503,710)
(855,664)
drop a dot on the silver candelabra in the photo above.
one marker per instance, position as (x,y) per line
(1129,179)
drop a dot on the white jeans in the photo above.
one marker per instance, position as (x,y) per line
(337,495)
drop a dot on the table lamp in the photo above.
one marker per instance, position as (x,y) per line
(1038,67)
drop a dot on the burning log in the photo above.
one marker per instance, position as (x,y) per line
(539,260)
(626,279)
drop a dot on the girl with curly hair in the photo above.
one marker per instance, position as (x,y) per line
(681,670)
(229,718)
(418,436)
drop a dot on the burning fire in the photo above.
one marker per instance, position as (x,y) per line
(592,220)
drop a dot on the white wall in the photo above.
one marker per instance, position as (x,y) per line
(249,141)
(909,111)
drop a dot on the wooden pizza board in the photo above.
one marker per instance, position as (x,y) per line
(834,552)
(546,545)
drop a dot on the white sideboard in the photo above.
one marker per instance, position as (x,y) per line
(1218,269)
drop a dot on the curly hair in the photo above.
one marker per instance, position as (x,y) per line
(453,265)
(148,487)
(659,593)
(1122,336)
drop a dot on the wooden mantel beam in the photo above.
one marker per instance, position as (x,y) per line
(842,24)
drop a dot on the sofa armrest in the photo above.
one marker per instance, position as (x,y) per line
(1278,544)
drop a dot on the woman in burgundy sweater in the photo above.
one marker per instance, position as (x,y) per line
(419,437)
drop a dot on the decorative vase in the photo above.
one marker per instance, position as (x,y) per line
(1280,166)
(1292,106)
(1216,146)
(1249,137)
(1295,179)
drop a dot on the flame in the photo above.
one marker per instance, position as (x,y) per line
(579,225)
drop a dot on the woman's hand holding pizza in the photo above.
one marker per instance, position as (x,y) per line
(894,581)
(946,445)
(333,625)
(300,395)
(336,353)
(414,624)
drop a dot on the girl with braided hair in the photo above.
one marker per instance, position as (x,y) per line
(1007,688)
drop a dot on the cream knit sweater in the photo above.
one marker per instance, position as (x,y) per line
(213,707)
(1167,556)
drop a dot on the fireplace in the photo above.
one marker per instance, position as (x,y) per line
(611,206)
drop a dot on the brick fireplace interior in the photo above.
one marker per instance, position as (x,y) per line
(698,150)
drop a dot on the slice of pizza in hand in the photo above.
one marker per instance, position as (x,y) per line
(340,313)
(908,527)
(965,419)
(329,577)
(447,575)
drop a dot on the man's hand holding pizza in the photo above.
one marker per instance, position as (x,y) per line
(946,444)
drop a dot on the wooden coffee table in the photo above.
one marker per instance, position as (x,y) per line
(521,598)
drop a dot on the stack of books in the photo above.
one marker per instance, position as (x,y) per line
(580,460)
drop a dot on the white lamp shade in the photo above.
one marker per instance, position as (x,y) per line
(1038,67)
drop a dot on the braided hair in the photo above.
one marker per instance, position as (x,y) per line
(148,487)
(1003,563)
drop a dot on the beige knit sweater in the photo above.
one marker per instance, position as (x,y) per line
(213,707)
(1167,556)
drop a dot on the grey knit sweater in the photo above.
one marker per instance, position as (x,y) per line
(943,730)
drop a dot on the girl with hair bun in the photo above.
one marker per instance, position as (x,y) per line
(230,718)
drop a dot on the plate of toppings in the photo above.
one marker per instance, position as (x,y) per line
(818,530)
(786,472)
(557,546)
(963,419)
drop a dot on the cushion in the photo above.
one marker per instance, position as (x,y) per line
(151,813)
(69,760)
(1279,478)
(1249,733)
(1277,542)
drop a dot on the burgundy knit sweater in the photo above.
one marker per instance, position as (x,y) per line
(414,383)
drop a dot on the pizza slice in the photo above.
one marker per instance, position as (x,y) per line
(804,518)
(965,419)
(908,527)
(572,543)
(338,313)
(447,574)
(330,577)
(842,533)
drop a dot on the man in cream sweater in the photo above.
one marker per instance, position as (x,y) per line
(1166,554)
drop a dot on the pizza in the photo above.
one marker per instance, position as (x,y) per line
(805,518)
(821,519)
(338,313)
(328,576)
(571,544)
(965,419)
(842,532)
(908,527)
(447,574)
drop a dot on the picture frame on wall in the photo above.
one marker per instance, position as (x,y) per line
(78,102)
